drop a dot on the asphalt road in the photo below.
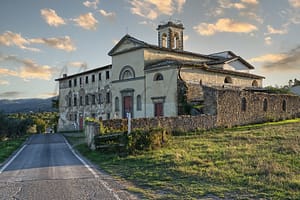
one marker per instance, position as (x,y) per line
(46,167)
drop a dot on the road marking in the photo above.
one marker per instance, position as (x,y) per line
(92,171)
(12,159)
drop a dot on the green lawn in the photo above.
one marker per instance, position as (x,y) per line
(8,146)
(250,162)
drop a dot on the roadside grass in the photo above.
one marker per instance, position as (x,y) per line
(248,162)
(9,145)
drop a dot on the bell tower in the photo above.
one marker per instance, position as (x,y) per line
(170,35)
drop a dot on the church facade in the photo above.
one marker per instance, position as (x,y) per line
(148,80)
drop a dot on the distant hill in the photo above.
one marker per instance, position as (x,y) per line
(26,105)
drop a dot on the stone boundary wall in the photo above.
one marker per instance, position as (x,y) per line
(240,107)
(180,123)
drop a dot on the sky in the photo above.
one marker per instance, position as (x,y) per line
(41,40)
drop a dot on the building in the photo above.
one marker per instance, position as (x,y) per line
(148,80)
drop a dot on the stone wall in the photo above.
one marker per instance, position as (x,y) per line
(180,123)
(238,107)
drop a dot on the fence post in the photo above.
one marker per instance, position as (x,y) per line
(129,122)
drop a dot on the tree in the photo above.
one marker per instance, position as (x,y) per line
(40,125)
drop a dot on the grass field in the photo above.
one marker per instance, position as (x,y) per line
(249,162)
(8,146)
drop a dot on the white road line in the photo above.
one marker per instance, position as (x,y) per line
(93,172)
(12,159)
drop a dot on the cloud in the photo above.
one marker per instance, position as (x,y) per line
(151,9)
(295,3)
(27,69)
(3,82)
(86,21)
(253,16)
(79,64)
(229,4)
(91,4)
(268,40)
(224,25)
(14,39)
(288,61)
(47,95)
(52,18)
(272,30)
(63,43)
(253,2)
(110,15)
(10,94)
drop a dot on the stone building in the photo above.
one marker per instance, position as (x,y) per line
(148,80)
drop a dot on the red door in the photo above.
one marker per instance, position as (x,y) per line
(158,109)
(128,105)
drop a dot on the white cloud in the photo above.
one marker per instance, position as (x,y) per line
(272,31)
(87,21)
(268,58)
(253,2)
(295,3)
(91,4)
(15,39)
(3,82)
(52,18)
(27,69)
(151,9)
(268,40)
(63,43)
(185,37)
(109,15)
(224,25)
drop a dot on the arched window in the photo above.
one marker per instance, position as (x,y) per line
(244,104)
(254,83)
(127,73)
(158,77)
(138,102)
(284,105)
(176,41)
(265,105)
(117,104)
(164,40)
(228,79)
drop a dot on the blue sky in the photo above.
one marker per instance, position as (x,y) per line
(40,40)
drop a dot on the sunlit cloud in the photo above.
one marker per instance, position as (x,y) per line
(86,21)
(62,43)
(272,30)
(47,95)
(10,94)
(27,69)
(151,9)
(224,25)
(78,64)
(3,82)
(268,58)
(268,40)
(109,15)
(253,16)
(185,37)
(15,39)
(91,4)
(253,2)
(52,18)
(295,3)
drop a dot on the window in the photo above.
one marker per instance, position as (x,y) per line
(127,72)
(80,81)
(158,77)
(70,101)
(86,100)
(93,78)
(75,101)
(164,41)
(176,41)
(93,99)
(86,79)
(70,83)
(108,97)
(117,104)
(75,82)
(284,105)
(254,83)
(75,117)
(99,76)
(265,105)
(81,100)
(100,99)
(158,109)
(244,104)
(228,79)
(107,75)
(138,102)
